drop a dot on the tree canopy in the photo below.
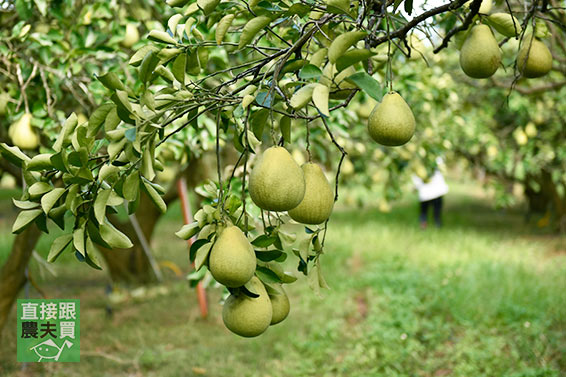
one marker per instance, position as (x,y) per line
(250,75)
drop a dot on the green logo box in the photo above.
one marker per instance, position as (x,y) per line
(48,330)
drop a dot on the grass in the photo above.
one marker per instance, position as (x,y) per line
(483,296)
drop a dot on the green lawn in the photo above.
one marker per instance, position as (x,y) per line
(483,296)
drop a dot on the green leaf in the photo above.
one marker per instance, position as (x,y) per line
(120,98)
(293,65)
(196,276)
(264,99)
(130,134)
(147,66)
(79,158)
(160,189)
(251,29)
(114,149)
(312,278)
(59,161)
(352,57)
(23,8)
(41,223)
(174,21)
(287,278)
(84,175)
(155,197)
(111,81)
(79,240)
(39,188)
(310,71)
(13,154)
(342,43)
(222,27)
(505,24)
(179,68)
(167,54)
(64,138)
(298,9)
(130,189)
(248,290)
(195,246)
(58,246)
(40,162)
(366,83)
(90,257)
(148,99)
(80,140)
(302,96)
(58,216)
(161,36)
(268,255)
(41,6)
(48,200)
(408,6)
(266,275)
(207,6)
(258,119)
(25,204)
(93,231)
(133,206)
(115,200)
(112,119)
(264,240)
(338,6)
(100,205)
(320,98)
(98,117)
(114,237)
(285,127)
(188,230)
(72,197)
(24,219)
(147,164)
(202,255)
(138,56)
(165,73)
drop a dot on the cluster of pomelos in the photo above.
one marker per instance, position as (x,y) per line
(277,184)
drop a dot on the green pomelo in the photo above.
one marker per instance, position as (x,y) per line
(534,59)
(281,306)
(232,260)
(480,55)
(317,204)
(247,316)
(277,183)
(391,122)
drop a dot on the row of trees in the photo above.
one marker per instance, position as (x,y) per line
(233,76)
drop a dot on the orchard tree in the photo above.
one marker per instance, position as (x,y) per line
(259,77)
(50,55)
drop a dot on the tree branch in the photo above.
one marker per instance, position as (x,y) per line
(400,33)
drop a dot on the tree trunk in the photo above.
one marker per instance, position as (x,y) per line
(547,198)
(132,266)
(12,274)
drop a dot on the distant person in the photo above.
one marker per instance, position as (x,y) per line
(431,190)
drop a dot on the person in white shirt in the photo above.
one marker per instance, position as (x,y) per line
(430,193)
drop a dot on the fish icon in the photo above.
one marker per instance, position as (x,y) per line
(50,350)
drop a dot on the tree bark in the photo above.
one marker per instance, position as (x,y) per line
(12,274)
